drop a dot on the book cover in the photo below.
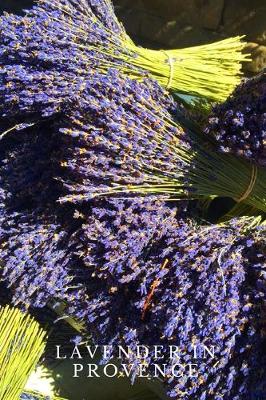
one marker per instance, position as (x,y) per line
(132,200)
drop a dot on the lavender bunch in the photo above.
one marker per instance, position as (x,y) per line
(190,285)
(88,33)
(120,136)
(239,124)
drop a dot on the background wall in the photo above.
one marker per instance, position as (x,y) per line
(180,23)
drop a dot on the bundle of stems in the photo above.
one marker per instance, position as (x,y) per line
(230,179)
(22,342)
(209,71)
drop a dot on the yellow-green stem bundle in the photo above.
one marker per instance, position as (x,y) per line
(22,342)
(209,71)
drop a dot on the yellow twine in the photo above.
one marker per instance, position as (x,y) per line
(250,187)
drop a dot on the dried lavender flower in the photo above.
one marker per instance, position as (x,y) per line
(239,124)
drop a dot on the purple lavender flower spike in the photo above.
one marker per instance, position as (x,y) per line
(239,125)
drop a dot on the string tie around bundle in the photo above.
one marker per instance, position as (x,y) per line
(253,178)
(171,62)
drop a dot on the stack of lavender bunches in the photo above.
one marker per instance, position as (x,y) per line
(91,167)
